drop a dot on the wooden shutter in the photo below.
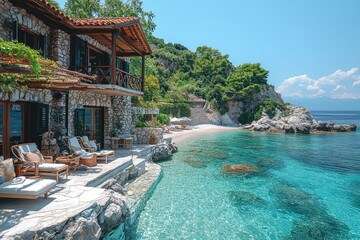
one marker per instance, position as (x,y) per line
(42,44)
(79,122)
(37,121)
(81,52)
(15,30)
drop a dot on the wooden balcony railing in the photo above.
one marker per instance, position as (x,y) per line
(103,76)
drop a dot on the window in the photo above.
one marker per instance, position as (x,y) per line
(29,38)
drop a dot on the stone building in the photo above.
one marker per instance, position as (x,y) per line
(99,47)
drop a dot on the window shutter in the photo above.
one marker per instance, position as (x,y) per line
(15,30)
(127,66)
(79,122)
(42,44)
(81,52)
(37,121)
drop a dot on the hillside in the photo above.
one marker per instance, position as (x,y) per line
(239,92)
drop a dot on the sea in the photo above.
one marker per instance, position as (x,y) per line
(304,187)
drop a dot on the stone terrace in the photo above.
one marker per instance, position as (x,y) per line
(72,197)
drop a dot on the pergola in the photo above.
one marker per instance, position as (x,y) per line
(123,36)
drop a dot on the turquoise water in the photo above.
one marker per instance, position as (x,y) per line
(306,187)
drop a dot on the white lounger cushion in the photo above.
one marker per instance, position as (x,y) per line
(31,187)
(104,152)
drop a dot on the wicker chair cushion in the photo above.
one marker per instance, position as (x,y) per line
(7,170)
(93,145)
(74,144)
(1,158)
(34,157)
(27,147)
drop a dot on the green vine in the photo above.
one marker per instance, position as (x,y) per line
(17,54)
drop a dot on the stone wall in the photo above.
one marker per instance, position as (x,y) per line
(143,134)
(79,99)
(122,120)
(9,14)
(30,95)
(60,48)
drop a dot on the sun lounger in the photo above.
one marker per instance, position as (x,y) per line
(86,158)
(43,165)
(29,189)
(89,145)
(21,187)
(76,148)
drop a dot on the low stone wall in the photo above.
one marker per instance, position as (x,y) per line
(143,134)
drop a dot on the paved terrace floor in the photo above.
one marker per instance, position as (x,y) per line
(70,196)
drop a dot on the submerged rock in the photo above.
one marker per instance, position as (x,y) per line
(319,227)
(296,200)
(214,154)
(245,198)
(240,168)
(195,163)
(269,163)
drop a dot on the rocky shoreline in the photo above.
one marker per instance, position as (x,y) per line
(295,120)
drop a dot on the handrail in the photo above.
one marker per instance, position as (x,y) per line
(103,74)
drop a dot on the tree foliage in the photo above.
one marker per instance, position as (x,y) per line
(152,88)
(82,8)
(130,8)
(54,3)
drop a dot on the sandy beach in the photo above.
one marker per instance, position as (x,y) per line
(196,131)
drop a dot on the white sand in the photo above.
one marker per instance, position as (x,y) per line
(197,130)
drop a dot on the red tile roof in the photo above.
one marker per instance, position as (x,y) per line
(103,21)
(133,40)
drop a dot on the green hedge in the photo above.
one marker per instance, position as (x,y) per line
(175,109)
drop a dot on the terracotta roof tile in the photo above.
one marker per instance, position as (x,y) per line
(102,21)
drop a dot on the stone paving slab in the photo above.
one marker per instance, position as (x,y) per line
(69,198)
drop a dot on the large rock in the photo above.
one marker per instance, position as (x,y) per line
(83,228)
(240,168)
(296,120)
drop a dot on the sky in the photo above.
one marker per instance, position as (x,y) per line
(310,47)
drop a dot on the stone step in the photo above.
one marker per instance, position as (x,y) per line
(144,152)
(139,163)
(121,164)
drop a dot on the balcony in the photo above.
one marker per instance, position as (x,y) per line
(103,75)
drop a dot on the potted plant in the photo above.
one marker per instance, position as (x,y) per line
(152,138)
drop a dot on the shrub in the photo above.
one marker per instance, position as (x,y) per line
(140,124)
(154,123)
(164,119)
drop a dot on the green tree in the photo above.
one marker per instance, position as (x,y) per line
(54,3)
(82,8)
(130,8)
(152,88)
(246,75)
(210,68)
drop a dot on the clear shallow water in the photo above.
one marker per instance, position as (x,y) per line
(307,187)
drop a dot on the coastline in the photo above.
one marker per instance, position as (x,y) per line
(198,131)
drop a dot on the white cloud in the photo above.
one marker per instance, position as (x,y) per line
(357,82)
(338,88)
(338,84)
